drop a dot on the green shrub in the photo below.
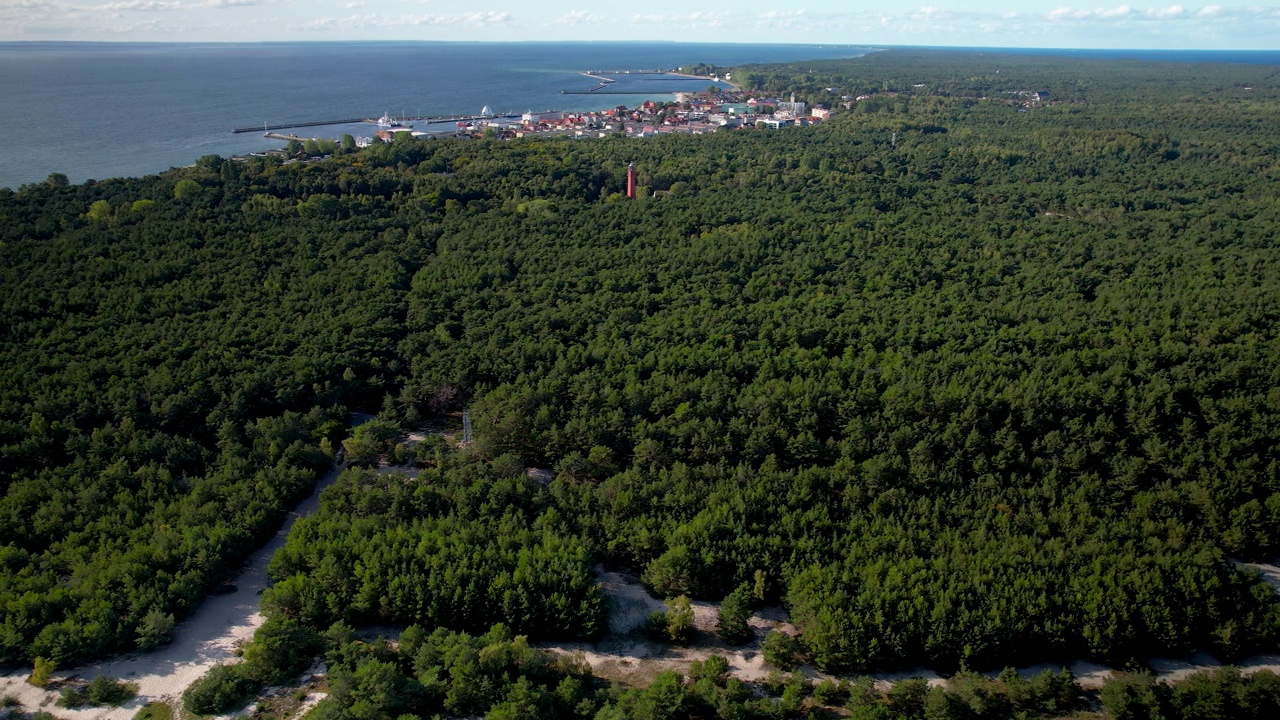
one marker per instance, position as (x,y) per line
(155,629)
(281,650)
(101,691)
(42,673)
(223,689)
(715,668)
(655,627)
(155,711)
(327,709)
(831,692)
(1129,696)
(674,626)
(907,697)
(186,187)
(734,613)
(780,650)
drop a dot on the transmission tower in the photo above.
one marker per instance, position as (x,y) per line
(466,427)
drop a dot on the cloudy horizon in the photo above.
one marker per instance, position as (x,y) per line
(995,23)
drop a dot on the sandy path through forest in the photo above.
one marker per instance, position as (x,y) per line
(625,656)
(206,638)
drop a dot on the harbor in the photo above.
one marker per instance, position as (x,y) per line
(608,83)
(703,110)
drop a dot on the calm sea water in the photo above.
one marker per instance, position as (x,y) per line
(107,110)
(91,110)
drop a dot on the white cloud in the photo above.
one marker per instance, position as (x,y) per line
(30,5)
(28,9)
(1067,13)
(143,26)
(781,14)
(784,19)
(579,17)
(707,16)
(474,19)
(374,20)
(1126,12)
(930,13)
(1236,11)
(140,6)
(700,19)
(1106,23)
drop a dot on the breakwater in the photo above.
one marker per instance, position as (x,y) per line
(283,126)
(627,72)
(598,91)
(429,119)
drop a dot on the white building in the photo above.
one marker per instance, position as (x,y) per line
(793,108)
(533,117)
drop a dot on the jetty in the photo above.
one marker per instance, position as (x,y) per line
(429,119)
(284,126)
(598,91)
(603,77)
(432,119)
(278,136)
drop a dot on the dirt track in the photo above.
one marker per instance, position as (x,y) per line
(624,655)
(208,637)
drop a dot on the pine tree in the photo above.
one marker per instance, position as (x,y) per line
(735,611)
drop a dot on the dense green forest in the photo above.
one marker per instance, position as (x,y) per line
(465,547)
(967,381)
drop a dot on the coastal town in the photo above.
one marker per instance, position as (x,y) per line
(688,113)
(694,113)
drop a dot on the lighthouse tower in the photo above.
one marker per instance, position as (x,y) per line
(631,180)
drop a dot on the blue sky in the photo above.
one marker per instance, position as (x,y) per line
(991,23)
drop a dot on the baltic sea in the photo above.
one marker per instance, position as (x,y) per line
(90,110)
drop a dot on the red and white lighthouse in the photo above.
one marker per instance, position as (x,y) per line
(631,180)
